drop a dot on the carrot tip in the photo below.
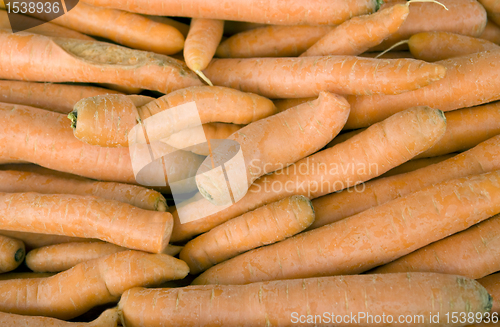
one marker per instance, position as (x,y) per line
(19,256)
(73,116)
(161,205)
(203,77)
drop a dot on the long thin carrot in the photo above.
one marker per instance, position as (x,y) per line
(415,164)
(263,144)
(492,285)
(307,302)
(363,157)
(108,318)
(87,217)
(290,12)
(272,41)
(70,60)
(434,46)
(11,253)
(491,33)
(473,253)
(371,238)
(97,281)
(477,72)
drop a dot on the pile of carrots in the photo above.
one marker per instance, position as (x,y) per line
(368,186)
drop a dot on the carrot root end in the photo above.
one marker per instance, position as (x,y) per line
(203,77)
(73,117)
(19,255)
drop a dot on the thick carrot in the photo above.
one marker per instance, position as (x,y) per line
(476,73)
(434,46)
(492,285)
(491,33)
(359,34)
(181,27)
(30,178)
(473,253)
(75,291)
(415,164)
(491,6)
(70,60)
(108,318)
(307,302)
(87,217)
(272,41)
(290,12)
(263,144)
(266,225)
(11,253)
(371,238)
(365,156)
(56,97)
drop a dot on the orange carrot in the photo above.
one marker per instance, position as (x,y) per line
(491,33)
(30,178)
(491,6)
(363,157)
(181,27)
(434,46)
(97,282)
(35,240)
(492,285)
(87,217)
(478,72)
(415,164)
(307,302)
(11,253)
(108,318)
(291,12)
(473,253)
(263,144)
(272,41)
(69,60)
(359,34)
(306,77)
(371,238)
(265,225)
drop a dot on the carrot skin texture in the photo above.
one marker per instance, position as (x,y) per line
(273,303)
(371,238)
(87,217)
(492,285)
(99,281)
(12,253)
(307,76)
(491,33)
(202,41)
(108,318)
(425,125)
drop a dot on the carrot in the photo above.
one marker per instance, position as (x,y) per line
(491,6)
(491,33)
(415,164)
(121,88)
(363,157)
(284,104)
(69,60)
(265,225)
(306,302)
(263,144)
(359,34)
(272,41)
(181,27)
(347,135)
(30,178)
(36,240)
(202,41)
(434,46)
(98,282)
(87,217)
(117,115)
(24,275)
(291,12)
(11,253)
(371,238)
(108,318)
(492,285)
(478,72)
(473,253)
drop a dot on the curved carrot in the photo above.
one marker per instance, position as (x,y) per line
(434,46)
(492,285)
(359,34)
(415,164)
(11,253)
(371,238)
(69,60)
(491,33)
(87,217)
(108,318)
(306,77)
(272,41)
(288,303)
(97,281)
(290,12)
(363,157)
(265,225)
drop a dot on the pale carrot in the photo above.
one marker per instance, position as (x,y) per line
(75,291)
(492,285)
(272,41)
(108,318)
(307,302)
(36,240)
(473,253)
(87,217)
(478,72)
(11,253)
(365,156)
(491,33)
(306,77)
(434,46)
(415,164)
(70,60)
(181,27)
(371,238)
(291,12)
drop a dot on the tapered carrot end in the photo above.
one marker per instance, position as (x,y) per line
(203,77)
